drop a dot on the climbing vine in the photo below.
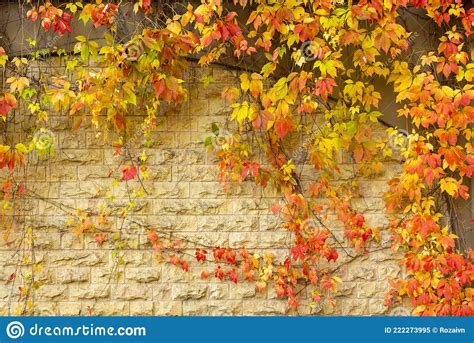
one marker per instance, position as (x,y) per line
(316,88)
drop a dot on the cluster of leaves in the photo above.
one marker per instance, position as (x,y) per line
(337,52)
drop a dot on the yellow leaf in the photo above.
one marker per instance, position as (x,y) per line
(449,185)
(18,83)
(244,82)
(174,27)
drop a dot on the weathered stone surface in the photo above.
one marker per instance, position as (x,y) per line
(72,241)
(47,240)
(174,223)
(235,223)
(131,292)
(188,291)
(259,240)
(172,274)
(168,190)
(142,274)
(212,308)
(45,309)
(70,308)
(168,308)
(242,290)
(79,258)
(192,207)
(355,307)
(87,173)
(377,308)
(96,291)
(106,275)
(65,173)
(52,292)
(195,173)
(141,308)
(372,289)
(389,271)
(109,308)
(214,190)
(363,272)
(70,275)
(138,258)
(264,307)
(162,291)
(4,309)
(78,156)
(218,291)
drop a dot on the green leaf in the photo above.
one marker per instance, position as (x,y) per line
(215,128)
(208,141)
(21,148)
(109,39)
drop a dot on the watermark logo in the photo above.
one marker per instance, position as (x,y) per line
(132,50)
(310,224)
(43,139)
(398,139)
(309,51)
(223,137)
(15,330)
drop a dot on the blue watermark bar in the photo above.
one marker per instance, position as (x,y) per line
(237,329)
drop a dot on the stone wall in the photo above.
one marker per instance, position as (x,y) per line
(79,278)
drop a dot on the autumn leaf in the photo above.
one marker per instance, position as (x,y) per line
(100,238)
(449,185)
(283,126)
(18,84)
(7,102)
(129,173)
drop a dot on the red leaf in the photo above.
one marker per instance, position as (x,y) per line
(7,102)
(331,254)
(201,255)
(255,168)
(233,276)
(174,260)
(100,238)
(298,251)
(276,208)
(11,277)
(282,126)
(359,220)
(245,169)
(152,236)
(218,253)
(219,273)
(129,173)
(358,153)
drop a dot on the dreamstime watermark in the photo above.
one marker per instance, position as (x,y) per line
(310,224)
(132,50)
(15,330)
(301,153)
(222,137)
(398,139)
(309,50)
(43,139)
